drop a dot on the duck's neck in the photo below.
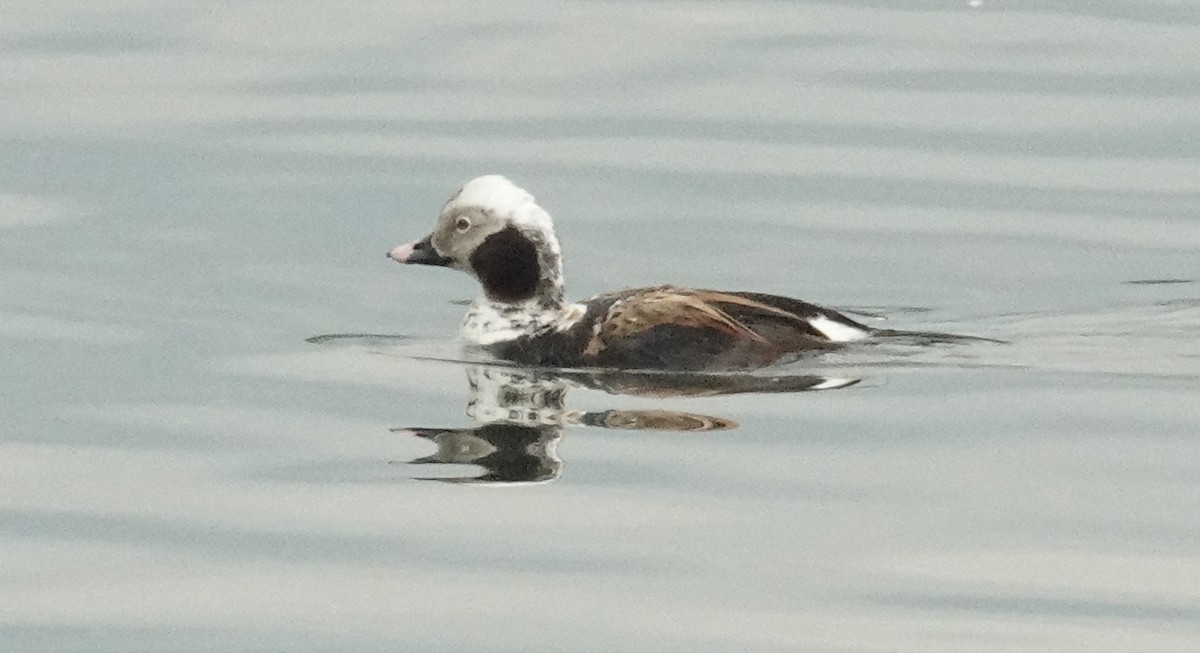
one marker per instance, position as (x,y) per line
(489,322)
(548,293)
(522,279)
(519,266)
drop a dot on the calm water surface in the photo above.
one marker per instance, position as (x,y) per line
(190,190)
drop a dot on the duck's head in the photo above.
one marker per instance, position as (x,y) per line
(495,231)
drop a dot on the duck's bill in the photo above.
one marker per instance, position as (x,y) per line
(419,252)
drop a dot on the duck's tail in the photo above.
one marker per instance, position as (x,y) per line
(931,337)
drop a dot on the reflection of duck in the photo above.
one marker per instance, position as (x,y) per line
(496,232)
(509,453)
(522,414)
(689,384)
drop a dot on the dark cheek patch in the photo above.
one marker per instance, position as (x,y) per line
(507,266)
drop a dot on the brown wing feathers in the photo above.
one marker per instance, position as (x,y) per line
(641,310)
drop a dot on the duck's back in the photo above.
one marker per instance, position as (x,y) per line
(670,328)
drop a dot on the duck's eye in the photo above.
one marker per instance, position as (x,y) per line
(462,224)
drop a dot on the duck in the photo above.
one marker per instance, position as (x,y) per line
(496,232)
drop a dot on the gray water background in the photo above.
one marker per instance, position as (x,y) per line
(189,190)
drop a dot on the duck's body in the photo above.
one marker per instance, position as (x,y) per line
(669,328)
(496,232)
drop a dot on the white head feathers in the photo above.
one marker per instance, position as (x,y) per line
(501,197)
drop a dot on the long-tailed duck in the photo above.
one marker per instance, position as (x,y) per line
(496,232)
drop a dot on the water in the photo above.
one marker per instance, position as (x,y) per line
(189,191)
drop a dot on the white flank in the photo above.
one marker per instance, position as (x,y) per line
(834,384)
(837,331)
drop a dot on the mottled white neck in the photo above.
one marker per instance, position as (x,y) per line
(488,322)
